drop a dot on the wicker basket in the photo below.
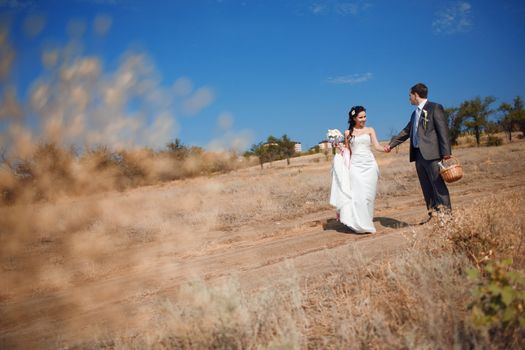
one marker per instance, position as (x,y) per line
(451,170)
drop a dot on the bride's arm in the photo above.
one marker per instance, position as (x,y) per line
(347,142)
(375,142)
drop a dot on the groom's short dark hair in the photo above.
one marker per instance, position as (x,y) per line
(420,89)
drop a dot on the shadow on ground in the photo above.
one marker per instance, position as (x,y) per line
(334,225)
(389,222)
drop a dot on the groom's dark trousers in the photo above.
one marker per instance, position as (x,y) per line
(434,188)
(433,144)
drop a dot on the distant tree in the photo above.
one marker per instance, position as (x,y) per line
(272,140)
(519,114)
(513,117)
(286,148)
(177,149)
(175,145)
(455,122)
(272,149)
(474,114)
(506,121)
(260,151)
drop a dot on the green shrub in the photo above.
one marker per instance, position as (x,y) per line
(499,302)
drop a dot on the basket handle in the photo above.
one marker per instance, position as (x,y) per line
(454,158)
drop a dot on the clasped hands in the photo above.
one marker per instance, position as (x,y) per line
(387,149)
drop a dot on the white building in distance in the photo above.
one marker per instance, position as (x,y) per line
(325,145)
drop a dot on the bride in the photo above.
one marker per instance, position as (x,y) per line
(355,173)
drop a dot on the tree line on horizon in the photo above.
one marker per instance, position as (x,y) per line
(471,117)
(273,149)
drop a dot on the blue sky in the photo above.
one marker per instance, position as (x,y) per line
(233,72)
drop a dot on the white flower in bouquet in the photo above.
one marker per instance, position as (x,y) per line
(334,136)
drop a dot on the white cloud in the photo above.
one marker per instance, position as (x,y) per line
(16,4)
(342,8)
(347,8)
(199,100)
(455,18)
(318,8)
(351,79)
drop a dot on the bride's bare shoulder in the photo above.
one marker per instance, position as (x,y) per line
(347,132)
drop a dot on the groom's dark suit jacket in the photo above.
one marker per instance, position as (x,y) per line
(432,134)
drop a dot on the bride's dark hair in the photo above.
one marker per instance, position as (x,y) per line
(351,115)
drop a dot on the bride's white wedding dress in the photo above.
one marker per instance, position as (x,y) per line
(354,185)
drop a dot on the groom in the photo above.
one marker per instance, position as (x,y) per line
(429,143)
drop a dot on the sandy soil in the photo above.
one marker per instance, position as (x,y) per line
(68,301)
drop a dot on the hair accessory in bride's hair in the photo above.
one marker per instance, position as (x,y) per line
(353,112)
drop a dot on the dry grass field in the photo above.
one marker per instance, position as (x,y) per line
(254,259)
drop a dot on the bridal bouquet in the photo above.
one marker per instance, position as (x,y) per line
(334,136)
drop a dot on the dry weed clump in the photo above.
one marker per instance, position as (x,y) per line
(224,318)
(221,317)
(411,302)
(49,167)
(489,229)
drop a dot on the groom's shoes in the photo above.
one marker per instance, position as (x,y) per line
(444,216)
(440,215)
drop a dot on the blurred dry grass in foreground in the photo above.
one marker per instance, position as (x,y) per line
(52,171)
(417,299)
